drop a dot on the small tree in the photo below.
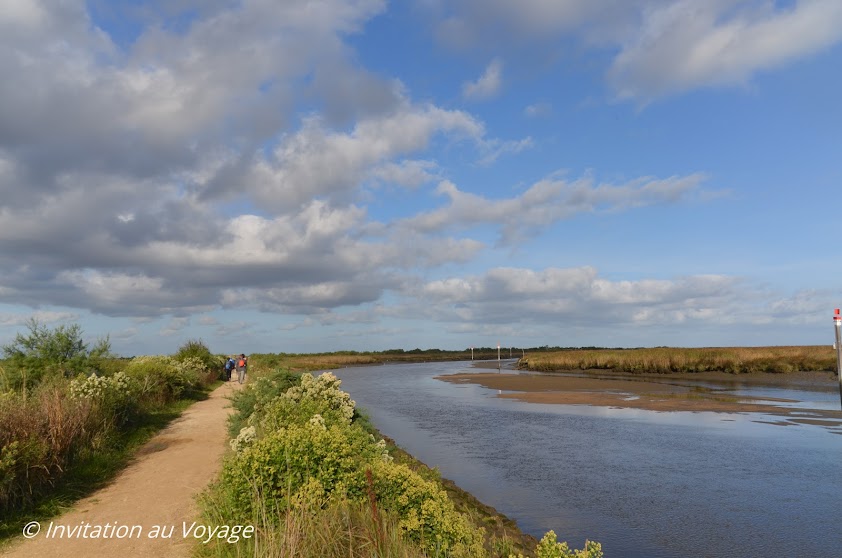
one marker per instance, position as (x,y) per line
(46,352)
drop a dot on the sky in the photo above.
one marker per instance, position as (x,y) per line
(311,176)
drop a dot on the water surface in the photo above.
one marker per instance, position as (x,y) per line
(645,484)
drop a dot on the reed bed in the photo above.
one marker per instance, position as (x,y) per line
(664,360)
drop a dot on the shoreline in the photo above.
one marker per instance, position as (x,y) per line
(693,392)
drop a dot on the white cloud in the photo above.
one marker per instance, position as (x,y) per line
(547,202)
(318,162)
(41,316)
(579,297)
(175,326)
(495,149)
(663,46)
(687,44)
(538,110)
(487,85)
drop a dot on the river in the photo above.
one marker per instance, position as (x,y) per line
(645,484)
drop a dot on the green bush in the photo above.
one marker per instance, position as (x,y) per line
(318,459)
(195,350)
(426,514)
(549,547)
(256,395)
(44,352)
(163,379)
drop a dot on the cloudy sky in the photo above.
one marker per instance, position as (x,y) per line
(318,175)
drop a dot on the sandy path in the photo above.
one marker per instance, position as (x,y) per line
(157,489)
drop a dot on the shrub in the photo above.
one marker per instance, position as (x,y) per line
(163,379)
(45,352)
(196,352)
(426,514)
(549,547)
(324,388)
(276,467)
(256,395)
(117,395)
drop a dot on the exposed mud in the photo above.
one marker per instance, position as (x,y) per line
(665,393)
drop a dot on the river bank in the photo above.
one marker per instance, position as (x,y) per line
(645,484)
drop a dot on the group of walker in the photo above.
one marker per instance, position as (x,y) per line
(238,363)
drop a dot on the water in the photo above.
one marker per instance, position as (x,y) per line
(644,484)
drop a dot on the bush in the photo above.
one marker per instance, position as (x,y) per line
(549,547)
(256,395)
(314,458)
(427,515)
(45,352)
(161,379)
(195,351)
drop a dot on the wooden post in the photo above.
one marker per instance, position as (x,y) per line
(837,325)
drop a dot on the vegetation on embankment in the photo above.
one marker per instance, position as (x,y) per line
(308,472)
(73,416)
(664,360)
(299,362)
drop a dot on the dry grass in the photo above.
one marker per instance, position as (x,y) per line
(736,360)
(40,436)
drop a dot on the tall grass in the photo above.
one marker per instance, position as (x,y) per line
(661,360)
(67,425)
(341,529)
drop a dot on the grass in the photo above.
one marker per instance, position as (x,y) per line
(662,360)
(326,361)
(94,470)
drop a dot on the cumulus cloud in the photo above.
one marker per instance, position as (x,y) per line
(167,175)
(487,85)
(316,161)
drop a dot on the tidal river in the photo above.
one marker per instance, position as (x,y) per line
(645,484)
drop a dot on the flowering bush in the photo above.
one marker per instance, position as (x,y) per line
(256,395)
(101,387)
(244,438)
(275,467)
(426,513)
(323,388)
(549,547)
(117,394)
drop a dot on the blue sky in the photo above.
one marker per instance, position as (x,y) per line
(302,176)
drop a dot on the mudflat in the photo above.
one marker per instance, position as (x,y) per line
(705,391)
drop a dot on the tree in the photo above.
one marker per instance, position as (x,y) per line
(44,352)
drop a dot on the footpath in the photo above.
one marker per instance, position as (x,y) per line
(144,511)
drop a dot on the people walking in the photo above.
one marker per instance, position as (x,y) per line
(229,367)
(242,366)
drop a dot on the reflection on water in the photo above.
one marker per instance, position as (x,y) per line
(645,484)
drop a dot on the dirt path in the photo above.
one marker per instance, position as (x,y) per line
(157,489)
